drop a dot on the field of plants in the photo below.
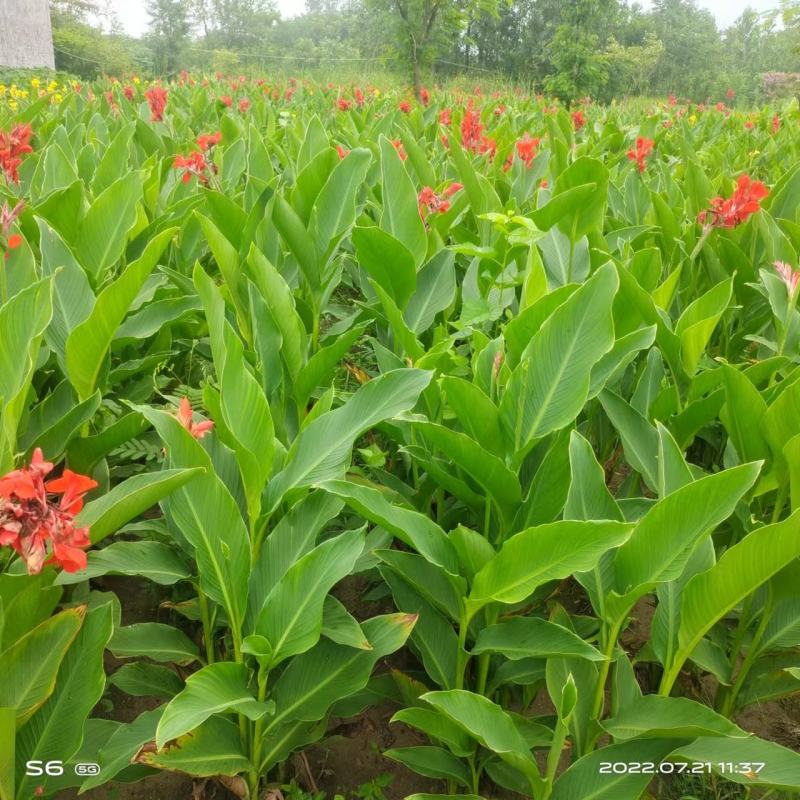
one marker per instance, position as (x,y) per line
(469,424)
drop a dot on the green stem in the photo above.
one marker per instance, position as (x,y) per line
(554,757)
(462,657)
(208,632)
(255,774)
(730,697)
(484,658)
(611,634)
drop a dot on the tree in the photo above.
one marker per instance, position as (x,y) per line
(169,31)
(576,50)
(423,24)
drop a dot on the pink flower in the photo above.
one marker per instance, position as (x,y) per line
(790,277)
(185,417)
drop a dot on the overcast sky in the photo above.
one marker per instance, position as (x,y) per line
(133,17)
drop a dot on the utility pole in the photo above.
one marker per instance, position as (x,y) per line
(26,38)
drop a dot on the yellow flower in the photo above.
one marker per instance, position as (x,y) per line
(693,118)
(2,90)
(57,98)
(12,104)
(35,83)
(136,80)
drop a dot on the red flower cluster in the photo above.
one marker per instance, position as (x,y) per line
(359,96)
(776,124)
(129,93)
(424,96)
(526,149)
(405,106)
(401,151)
(199,163)
(730,212)
(244,104)
(226,100)
(342,104)
(208,140)
(36,526)
(13,146)
(157,98)
(432,203)
(639,154)
(342,152)
(471,130)
(578,119)
(445,117)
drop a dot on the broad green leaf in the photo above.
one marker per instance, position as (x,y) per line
(531,637)
(323,449)
(545,553)
(387,261)
(710,595)
(291,619)
(109,512)
(88,343)
(152,560)
(103,233)
(57,727)
(28,668)
(400,216)
(215,689)
(665,537)
(549,387)
(142,679)
(433,762)
(156,641)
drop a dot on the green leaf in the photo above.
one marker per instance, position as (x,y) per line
(127,500)
(545,553)
(549,387)
(154,640)
(214,748)
(88,343)
(103,234)
(387,261)
(28,668)
(433,762)
(208,517)
(291,619)
(57,727)
(400,216)
(215,689)
(416,530)
(697,323)
(152,560)
(655,717)
(664,538)
(322,450)
(489,724)
(531,637)
(710,595)
(141,679)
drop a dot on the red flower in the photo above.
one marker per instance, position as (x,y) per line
(341,151)
(128,92)
(730,94)
(489,146)
(13,146)
(444,117)
(788,275)
(14,241)
(401,151)
(471,130)
(776,124)
(359,95)
(526,149)
(643,149)
(672,100)
(746,200)
(342,104)
(452,189)
(424,96)
(194,164)
(206,140)
(30,521)
(226,100)
(157,98)
(749,124)
(244,104)
(430,202)
(404,106)
(184,415)
(578,119)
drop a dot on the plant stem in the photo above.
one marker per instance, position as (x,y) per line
(208,633)
(462,658)
(255,774)
(554,757)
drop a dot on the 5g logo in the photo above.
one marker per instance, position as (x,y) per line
(54,769)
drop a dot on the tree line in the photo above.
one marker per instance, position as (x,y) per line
(571,49)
